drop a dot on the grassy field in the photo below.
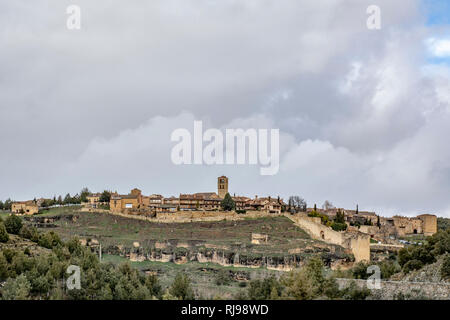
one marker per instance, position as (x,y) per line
(116,230)
(58,211)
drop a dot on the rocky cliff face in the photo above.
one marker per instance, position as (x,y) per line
(226,256)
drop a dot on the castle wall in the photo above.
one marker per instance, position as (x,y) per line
(405,226)
(357,242)
(429,224)
(360,246)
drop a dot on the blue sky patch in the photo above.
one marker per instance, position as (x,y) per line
(438,11)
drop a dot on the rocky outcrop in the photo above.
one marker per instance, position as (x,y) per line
(236,258)
(49,221)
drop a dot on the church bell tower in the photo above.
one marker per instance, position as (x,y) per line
(222,186)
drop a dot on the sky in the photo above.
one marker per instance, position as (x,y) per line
(364,115)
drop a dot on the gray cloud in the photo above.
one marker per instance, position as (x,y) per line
(364,117)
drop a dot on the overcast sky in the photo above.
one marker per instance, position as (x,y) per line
(364,115)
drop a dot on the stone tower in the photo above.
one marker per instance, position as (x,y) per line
(222,186)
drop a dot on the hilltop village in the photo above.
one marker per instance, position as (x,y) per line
(357,231)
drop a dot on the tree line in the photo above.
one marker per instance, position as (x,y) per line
(68,199)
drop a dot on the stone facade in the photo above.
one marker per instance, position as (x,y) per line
(25,207)
(429,224)
(222,186)
(136,203)
(258,238)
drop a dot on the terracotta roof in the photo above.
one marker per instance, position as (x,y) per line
(122,196)
(94,195)
(28,202)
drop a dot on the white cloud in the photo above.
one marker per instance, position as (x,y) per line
(439,48)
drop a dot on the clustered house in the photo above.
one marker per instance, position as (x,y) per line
(383,229)
(25,207)
(136,203)
(93,200)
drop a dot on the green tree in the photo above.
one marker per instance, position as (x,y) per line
(3,267)
(222,278)
(152,283)
(76,199)
(4,237)
(29,233)
(49,240)
(7,205)
(227,203)
(105,196)
(181,287)
(264,289)
(84,194)
(16,289)
(299,285)
(13,224)
(359,271)
(340,217)
(67,199)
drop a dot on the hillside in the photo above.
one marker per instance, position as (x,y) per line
(429,273)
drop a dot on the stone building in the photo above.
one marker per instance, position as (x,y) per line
(132,201)
(93,200)
(222,186)
(172,201)
(268,205)
(429,226)
(25,207)
(200,201)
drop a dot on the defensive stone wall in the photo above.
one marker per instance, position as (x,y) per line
(194,216)
(357,242)
(403,289)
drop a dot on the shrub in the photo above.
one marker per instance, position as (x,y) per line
(412,265)
(445,268)
(352,292)
(337,226)
(389,268)
(29,233)
(4,237)
(16,289)
(264,289)
(223,278)
(181,287)
(49,240)
(359,271)
(13,224)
